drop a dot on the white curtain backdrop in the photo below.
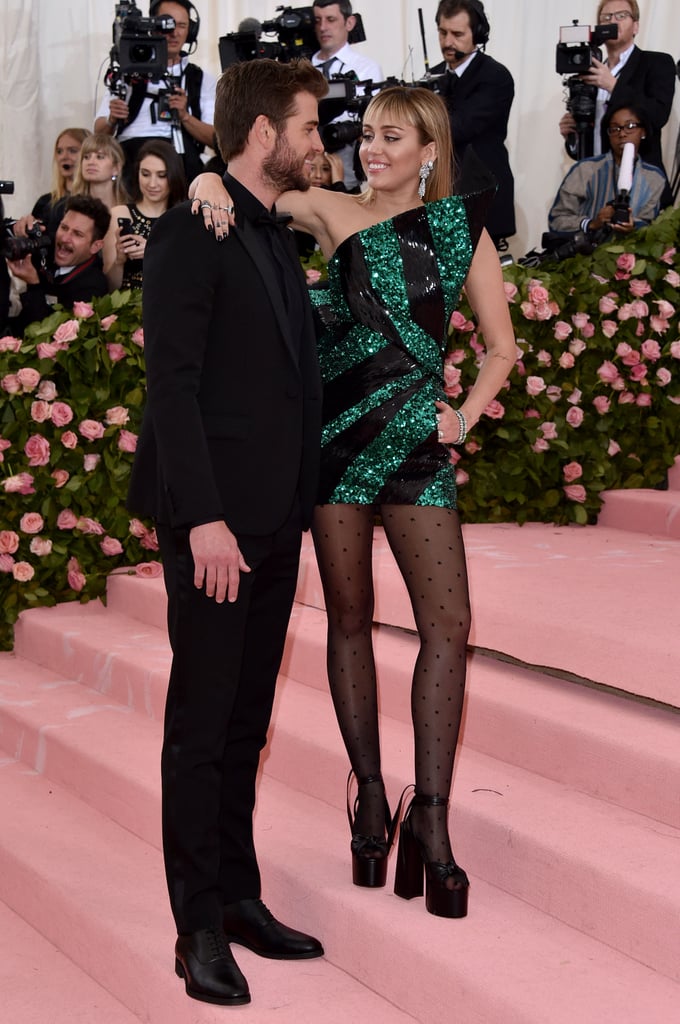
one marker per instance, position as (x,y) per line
(53,54)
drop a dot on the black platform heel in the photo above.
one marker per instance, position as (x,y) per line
(370,853)
(441,897)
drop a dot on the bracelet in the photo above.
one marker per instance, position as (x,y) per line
(462,427)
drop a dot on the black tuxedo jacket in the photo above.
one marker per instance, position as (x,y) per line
(647,78)
(82,284)
(479,103)
(231,427)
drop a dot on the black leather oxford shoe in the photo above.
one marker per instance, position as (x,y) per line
(251,924)
(209,970)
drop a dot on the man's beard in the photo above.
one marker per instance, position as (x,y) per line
(284,170)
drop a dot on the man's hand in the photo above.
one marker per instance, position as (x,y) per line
(21,227)
(217,561)
(24,270)
(118,109)
(600,75)
(567,124)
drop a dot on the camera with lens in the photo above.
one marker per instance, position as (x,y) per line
(579,44)
(15,248)
(140,47)
(294,32)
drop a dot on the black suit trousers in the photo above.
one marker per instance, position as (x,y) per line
(226,658)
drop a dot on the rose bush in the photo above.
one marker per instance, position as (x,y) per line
(71,398)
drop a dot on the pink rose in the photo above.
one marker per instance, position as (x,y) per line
(626,311)
(510,290)
(69,439)
(651,350)
(626,262)
(663,376)
(572,471)
(66,332)
(638,373)
(607,372)
(575,492)
(614,448)
(575,416)
(538,294)
(90,462)
(644,399)
(461,478)
(23,572)
(535,385)
(138,337)
(4,445)
(87,525)
(666,310)
(540,445)
(626,398)
(66,520)
(659,324)
(494,410)
(528,310)
(40,411)
(31,522)
(9,542)
(6,563)
(672,278)
(149,541)
(623,349)
(456,357)
(108,321)
(127,441)
(472,447)
(554,393)
(91,430)
(47,391)
(567,360)
(312,275)
(83,310)
(588,330)
(639,309)
(149,570)
(457,321)
(47,349)
(668,256)
(607,304)
(577,346)
(37,448)
(544,311)
(602,404)
(10,383)
(22,483)
(41,546)
(60,476)
(137,528)
(675,349)
(116,351)
(61,414)
(639,288)
(543,358)
(575,396)
(532,414)
(562,330)
(609,328)
(28,378)
(116,416)
(76,579)
(580,320)
(110,546)
(549,430)
(10,344)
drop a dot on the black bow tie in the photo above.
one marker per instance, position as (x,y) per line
(275,221)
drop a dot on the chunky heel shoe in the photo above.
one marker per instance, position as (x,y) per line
(370,853)
(446,885)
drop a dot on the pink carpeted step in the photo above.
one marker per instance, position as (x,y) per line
(656,513)
(579,859)
(97,892)
(674,475)
(39,984)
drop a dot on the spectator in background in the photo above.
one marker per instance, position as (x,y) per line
(334,23)
(64,163)
(585,199)
(76,274)
(628,75)
(478,92)
(159,184)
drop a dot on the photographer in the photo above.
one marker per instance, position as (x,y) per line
(76,274)
(187,97)
(629,75)
(333,25)
(587,198)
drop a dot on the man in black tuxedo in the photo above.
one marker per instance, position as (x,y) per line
(478,92)
(227,463)
(628,76)
(76,273)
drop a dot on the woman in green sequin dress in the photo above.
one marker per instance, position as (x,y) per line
(396,267)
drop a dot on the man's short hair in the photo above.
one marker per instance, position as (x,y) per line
(633,4)
(344,5)
(473,9)
(92,208)
(254,87)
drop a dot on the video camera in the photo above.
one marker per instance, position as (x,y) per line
(578,46)
(295,37)
(140,46)
(14,247)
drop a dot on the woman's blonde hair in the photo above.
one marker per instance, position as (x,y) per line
(101,143)
(59,189)
(427,113)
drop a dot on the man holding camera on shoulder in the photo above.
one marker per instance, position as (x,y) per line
(629,75)
(77,274)
(153,107)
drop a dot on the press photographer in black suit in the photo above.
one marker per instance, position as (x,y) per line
(478,92)
(227,464)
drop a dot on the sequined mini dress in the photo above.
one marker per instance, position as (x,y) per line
(391,291)
(133,270)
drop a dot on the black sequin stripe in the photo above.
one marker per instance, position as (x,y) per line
(355,283)
(405,485)
(349,443)
(421,273)
(350,387)
(477,206)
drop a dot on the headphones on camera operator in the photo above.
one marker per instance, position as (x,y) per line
(194,21)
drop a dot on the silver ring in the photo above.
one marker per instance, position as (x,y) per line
(205,205)
(440,434)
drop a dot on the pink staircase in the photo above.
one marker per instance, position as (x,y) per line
(566,803)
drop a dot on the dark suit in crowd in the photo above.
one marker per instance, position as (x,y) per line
(81,284)
(479,103)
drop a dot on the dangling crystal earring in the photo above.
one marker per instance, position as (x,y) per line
(424,172)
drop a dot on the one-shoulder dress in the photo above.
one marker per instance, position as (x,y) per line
(391,291)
